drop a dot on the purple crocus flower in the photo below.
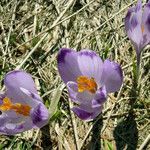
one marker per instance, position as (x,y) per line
(88,80)
(21,107)
(137,25)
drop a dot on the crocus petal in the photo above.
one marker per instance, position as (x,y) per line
(10,123)
(8,129)
(90,65)
(100,97)
(78,97)
(31,95)
(3,119)
(11,129)
(133,25)
(73,91)
(14,128)
(146,24)
(40,116)
(15,80)
(84,115)
(112,76)
(26,125)
(23,96)
(68,65)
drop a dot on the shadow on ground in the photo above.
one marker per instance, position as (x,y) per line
(95,143)
(126,132)
(46,143)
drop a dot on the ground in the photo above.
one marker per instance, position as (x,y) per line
(32,32)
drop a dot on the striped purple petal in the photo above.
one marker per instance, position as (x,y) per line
(146,24)
(133,21)
(100,97)
(90,65)
(40,116)
(68,65)
(137,25)
(85,115)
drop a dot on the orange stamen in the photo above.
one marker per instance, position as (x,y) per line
(17,107)
(6,104)
(86,84)
(142,28)
(21,109)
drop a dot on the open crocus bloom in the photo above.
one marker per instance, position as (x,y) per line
(137,25)
(88,80)
(21,107)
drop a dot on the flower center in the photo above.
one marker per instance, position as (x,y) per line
(17,107)
(86,84)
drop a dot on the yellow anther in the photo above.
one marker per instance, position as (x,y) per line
(17,107)
(21,109)
(6,104)
(86,84)
(142,28)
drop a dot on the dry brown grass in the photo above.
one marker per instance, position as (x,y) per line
(31,33)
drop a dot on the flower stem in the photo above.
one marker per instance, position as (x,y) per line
(138,68)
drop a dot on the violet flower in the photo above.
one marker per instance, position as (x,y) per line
(137,25)
(88,80)
(21,107)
